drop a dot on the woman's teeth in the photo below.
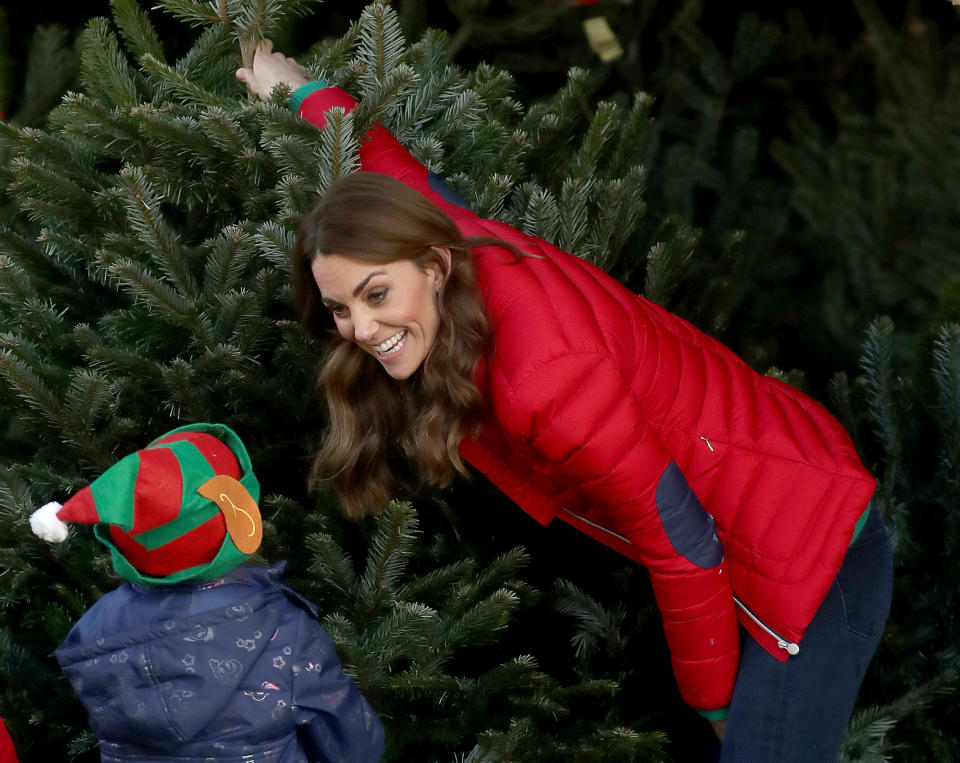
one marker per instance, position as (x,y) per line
(393,345)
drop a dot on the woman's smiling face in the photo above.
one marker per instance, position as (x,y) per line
(389,309)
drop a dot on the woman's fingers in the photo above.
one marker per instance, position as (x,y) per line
(269,68)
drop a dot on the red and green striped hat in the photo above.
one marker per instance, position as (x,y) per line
(184,507)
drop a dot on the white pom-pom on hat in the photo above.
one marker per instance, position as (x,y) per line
(45,523)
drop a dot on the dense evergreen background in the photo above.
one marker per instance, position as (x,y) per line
(799,198)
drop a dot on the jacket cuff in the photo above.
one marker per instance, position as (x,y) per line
(714,715)
(301,94)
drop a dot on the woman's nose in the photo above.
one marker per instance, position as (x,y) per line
(364,329)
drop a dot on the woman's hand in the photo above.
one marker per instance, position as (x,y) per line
(269,69)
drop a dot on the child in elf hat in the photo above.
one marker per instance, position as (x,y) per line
(199,657)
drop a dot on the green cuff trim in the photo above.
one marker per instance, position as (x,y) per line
(714,715)
(301,93)
(861,522)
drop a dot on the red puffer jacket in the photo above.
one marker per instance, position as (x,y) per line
(7,753)
(616,416)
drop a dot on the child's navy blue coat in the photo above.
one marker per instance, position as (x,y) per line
(231,669)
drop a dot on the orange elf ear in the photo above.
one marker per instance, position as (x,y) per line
(240,511)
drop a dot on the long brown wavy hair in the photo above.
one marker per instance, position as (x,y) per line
(376,423)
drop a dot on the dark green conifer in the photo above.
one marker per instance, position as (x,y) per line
(144,283)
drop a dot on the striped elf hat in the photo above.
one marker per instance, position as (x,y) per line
(184,507)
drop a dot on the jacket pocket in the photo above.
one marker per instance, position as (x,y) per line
(865,580)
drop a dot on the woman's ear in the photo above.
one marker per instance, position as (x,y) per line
(442,270)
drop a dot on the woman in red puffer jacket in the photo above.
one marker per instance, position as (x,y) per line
(458,339)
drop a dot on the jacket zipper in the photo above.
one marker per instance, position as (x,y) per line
(788,646)
(607,530)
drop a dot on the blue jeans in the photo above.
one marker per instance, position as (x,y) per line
(799,710)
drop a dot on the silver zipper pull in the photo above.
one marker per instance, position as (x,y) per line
(791,648)
(788,646)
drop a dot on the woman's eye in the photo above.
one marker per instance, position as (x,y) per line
(338,311)
(378,295)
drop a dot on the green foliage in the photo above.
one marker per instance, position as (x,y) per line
(144,263)
(909,698)
(50,70)
(484,22)
(144,284)
(413,641)
(248,21)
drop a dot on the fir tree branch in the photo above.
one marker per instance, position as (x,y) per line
(429,151)
(226,262)
(26,383)
(148,224)
(334,567)
(542,215)
(275,244)
(383,98)
(339,148)
(380,46)
(196,13)
(173,83)
(388,555)
(137,31)
(436,582)
(226,133)
(405,634)
(160,298)
(603,127)
(296,196)
(330,58)
(94,127)
(41,185)
(463,113)
(633,137)
(186,400)
(213,49)
(668,260)
(104,70)
(120,360)
(239,317)
(876,360)
(574,213)
(16,286)
(51,69)
(480,622)
(867,736)
(87,401)
(946,374)
(595,623)
(491,199)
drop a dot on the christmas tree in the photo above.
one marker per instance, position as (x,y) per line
(144,283)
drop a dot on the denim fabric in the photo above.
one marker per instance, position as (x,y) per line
(798,710)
